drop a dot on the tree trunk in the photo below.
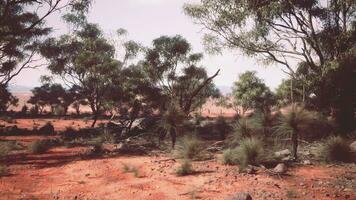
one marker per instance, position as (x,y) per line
(295,145)
(172,132)
(95,119)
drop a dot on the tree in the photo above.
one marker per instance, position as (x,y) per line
(249,92)
(53,95)
(183,86)
(85,61)
(22,29)
(292,123)
(173,69)
(7,99)
(318,34)
(283,92)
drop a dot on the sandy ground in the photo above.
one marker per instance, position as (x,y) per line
(65,173)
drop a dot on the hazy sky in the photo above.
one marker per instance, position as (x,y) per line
(146,20)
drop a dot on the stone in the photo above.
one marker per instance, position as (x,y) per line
(281,168)
(283,153)
(240,196)
(306,162)
(353,146)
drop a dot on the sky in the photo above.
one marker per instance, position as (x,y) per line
(146,20)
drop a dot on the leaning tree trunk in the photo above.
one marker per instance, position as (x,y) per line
(95,119)
(295,145)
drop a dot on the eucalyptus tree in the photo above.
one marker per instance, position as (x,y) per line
(249,92)
(319,34)
(85,61)
(22,30)
(172,68)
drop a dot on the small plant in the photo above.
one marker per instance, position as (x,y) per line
(230,157)
(3,170)
(7,146)
(245,128)
(190,148)
(39,146)
(131,169)
(107,137)
(335,149)
(185,168)
(250,152)
(292,194)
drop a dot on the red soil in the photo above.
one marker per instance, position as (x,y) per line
(64,173)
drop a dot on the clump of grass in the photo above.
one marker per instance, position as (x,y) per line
(335,149)
(185,168)
(3,170)
(39,146)
(131,169)
(231,157)
(7,146)
(250,152)
(292,194)
(107,137)
(190,148)
(245,128)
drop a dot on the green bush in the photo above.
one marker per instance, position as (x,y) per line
(7,146)
(231,157)
(39,146)
(185,168)
(190,148)
(245,128)
(107,137)
(250,152)
(335,149)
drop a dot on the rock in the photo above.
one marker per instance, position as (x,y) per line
(353,146)
(306,162)
(281,168)
(283,153)
(240,196)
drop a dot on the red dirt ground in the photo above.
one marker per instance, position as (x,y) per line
(65,173)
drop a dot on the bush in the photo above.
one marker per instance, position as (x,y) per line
(190,148)
(47,129)
(230,157)
(131,169)
(335,149)
(185,168)
(107,137)
(250,152)
(3,170)
(39,146)
(7,146)
(245,128)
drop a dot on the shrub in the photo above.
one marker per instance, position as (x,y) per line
(39,146)
(4,149)
(244,128)
(131,169)
(230,157)
(47,129)
(185,168)
(250,152)
(190,148)
(335,149)
(3,170)
(107,137)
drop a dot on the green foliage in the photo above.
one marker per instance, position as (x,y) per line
(326,67)
(190,148)
(335,149)
(131,169)
(190,88)
(292,123)
(185,168)
(7,99)
(39,146)
(246,127)
(250,92)
(7,146)
(250,152)
(231,156)
(107,137)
